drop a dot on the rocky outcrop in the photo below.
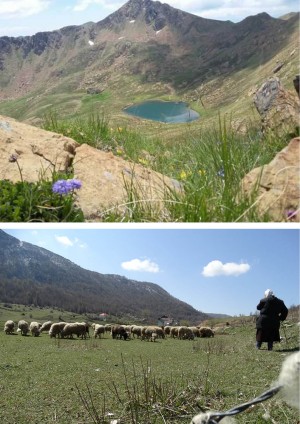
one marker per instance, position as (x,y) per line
(103,175)
(279,108)
(39,152)
(275,187)
(105,188)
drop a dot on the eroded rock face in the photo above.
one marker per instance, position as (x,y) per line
(39,152)
(102,174)
(279,108)
(277,185)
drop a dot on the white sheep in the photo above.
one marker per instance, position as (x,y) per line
(56,329)
(23,327)
(78,328)
(147,332)
(9,327)
(98,330)
(34,328)
(136,330)
(46,326)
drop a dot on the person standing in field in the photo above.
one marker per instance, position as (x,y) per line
(272,311)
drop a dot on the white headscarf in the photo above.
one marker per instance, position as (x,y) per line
(268,293)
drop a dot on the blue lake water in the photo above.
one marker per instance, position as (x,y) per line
(168,112)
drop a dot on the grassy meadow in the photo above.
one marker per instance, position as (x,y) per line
(209,163)
(110,381)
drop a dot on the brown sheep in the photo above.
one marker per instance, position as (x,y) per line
(206,332)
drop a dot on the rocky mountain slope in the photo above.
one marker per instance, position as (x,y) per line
(33,275)
(145,41)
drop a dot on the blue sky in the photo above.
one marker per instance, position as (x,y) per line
(214,270)
(27,17)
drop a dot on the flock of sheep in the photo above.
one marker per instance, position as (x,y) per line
(117,331)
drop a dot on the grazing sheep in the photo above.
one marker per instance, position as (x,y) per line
(98,330)
(174,332)
(127,329)
(56,329)
(108,328)
(195,331)
(147,332)
(9,327)
(153,337)
(119,332)
(34,328)
(136,330)
(87,328)
(167,330)
(185,333)
(78,328)
(23,327)
(46,326)
(206,332)
(160,332)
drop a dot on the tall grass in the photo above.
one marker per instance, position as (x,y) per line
(209,165)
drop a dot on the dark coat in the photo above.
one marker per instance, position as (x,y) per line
(272,311)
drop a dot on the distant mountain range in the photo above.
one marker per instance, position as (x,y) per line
(143,42)
(32,275)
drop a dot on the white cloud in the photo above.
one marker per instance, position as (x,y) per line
(82,5)
(64,240)
(20,8)
(235,10)
(140,265)
(216,268)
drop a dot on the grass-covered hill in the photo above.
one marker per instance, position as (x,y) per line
(32,275)
(169,381)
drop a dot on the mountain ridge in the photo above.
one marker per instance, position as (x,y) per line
(144,41)
(33,275)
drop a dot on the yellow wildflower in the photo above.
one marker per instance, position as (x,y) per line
(143,161)
(184,175)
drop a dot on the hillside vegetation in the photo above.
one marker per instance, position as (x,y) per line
(168,381)
(35,276)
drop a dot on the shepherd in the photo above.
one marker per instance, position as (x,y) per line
(272,312)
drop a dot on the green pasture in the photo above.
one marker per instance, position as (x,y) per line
(78,381)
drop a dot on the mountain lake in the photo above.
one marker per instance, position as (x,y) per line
(168,112)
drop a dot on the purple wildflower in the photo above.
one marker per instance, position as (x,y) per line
(76,184)
(291,214)
(65,186)
(13,158)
